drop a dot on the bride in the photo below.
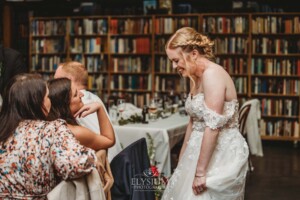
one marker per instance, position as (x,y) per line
(213,159)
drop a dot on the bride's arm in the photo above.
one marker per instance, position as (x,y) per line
(207,148)
(214,97)
(187,133)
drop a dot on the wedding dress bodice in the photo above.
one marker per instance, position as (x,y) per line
(203,116)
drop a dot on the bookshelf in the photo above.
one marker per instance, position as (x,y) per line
(125,56)
(131,58)
(88,44)
(47,45)
(275,73)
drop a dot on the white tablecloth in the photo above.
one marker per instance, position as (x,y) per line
(166,133)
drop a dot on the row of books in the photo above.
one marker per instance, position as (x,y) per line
(88,26)
(132,64)
(88,45)
(231,45)
(230,24)
(240,84)
(163,64)
(50,63)
(48,46)
(275,66)
(97,82)
(276,86)
(93,63)
(279,128)
(130,45)
(175,83)
(233,65)
(131,82)
(168,25)
(46,63)
(159,44)
(275,24)
(131,26)
(277,107)
(48,27)
(96,63)
(264,45)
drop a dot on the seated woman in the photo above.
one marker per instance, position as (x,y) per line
(34,151)
(67,105)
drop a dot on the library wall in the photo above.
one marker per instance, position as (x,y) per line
(125,56)
(259,50)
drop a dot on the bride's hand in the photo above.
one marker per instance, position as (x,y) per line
(88,109)
(199,184)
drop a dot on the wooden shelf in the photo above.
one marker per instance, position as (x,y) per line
(281,138)
(280,117)
(275,95)
(275,76)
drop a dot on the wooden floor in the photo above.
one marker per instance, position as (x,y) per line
(276,176)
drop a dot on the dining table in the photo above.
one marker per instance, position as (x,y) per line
(162,135)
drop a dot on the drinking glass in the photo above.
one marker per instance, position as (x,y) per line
(152,110)
(121,105)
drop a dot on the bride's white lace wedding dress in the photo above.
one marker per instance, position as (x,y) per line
(226,173)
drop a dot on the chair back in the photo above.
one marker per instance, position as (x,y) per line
(243,115)
(125,166)
(105,173)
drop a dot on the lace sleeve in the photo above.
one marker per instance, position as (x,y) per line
(215,120)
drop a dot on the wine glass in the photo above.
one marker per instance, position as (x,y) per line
(121,105)
(182,106)
(112,111)
(152,111)
(183,98)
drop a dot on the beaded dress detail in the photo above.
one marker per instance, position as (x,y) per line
(226,173)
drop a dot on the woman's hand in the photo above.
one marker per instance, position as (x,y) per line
(199,184)
(88,109)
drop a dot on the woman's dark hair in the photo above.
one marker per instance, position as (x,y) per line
(60,95)
(23,99)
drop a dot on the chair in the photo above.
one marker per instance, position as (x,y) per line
(88,187)
(105,173)
(125,166)
(243,115)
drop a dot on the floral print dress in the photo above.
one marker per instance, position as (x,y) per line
(36,154)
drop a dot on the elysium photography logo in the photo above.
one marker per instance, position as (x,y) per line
(150,180)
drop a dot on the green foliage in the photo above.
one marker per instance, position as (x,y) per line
(133,119)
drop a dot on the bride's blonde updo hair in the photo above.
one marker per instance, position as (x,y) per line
(189,39)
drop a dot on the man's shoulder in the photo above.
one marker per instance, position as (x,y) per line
(89,96)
